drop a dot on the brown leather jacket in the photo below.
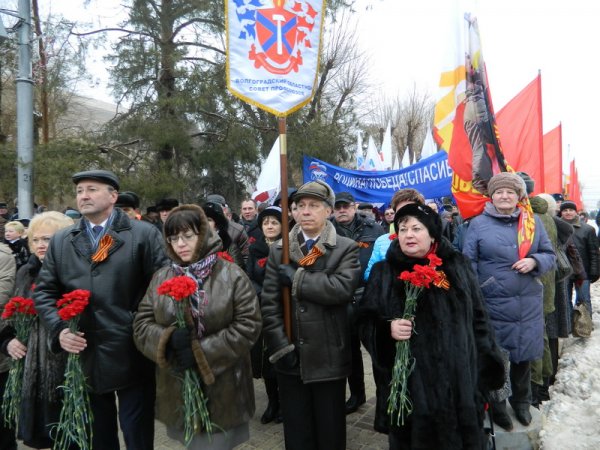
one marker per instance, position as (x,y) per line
(232,324)
(319,301)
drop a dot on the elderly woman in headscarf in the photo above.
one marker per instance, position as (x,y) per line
(509,249)
(456,358)
(224,321)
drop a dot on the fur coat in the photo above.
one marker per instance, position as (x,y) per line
(453,346)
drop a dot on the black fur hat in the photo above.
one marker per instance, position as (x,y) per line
(423,214)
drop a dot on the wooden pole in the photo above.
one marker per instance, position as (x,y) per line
(285,233)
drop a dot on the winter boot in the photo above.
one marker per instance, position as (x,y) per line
(535,395)
(500,415)
(273,411)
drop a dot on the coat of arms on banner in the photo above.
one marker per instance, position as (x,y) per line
(276,32)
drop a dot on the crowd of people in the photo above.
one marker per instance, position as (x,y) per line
(485,333)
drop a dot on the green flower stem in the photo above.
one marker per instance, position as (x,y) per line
(75,423)
(11,399)
(195,409)
(399,402)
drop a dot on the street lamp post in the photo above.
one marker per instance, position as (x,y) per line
(24,84)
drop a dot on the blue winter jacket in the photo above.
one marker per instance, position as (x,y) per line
(380,248)
(514,300)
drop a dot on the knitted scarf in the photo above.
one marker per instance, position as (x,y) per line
(199,272)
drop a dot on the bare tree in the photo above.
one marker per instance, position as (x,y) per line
(409,116)
(343,74)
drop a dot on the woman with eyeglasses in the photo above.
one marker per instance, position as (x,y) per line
(224,322)
(44,371)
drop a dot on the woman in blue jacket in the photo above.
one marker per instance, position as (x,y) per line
(508,274)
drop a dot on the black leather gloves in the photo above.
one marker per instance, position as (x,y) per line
(288,361)
(181,346)
(286,274)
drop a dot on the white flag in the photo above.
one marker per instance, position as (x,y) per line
(429,148)
(269,180)
(386,148)
(406,158)
(373,160)
(360,159)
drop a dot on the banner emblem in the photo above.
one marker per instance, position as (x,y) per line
(277,35)
(273,49)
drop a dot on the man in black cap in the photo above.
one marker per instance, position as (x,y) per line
(365,231)
(129,202)
(237,232)
(114,258)
(313,365)
(164,207)
(586,242)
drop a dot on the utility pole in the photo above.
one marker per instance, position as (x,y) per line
(24,114)
(24,84)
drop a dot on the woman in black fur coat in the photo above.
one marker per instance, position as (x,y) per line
(457,359)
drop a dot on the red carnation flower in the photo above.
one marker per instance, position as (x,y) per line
(262,262)
(224,255)
(20,305)
(393,236)
(434,260)
(73,303)
(178,287)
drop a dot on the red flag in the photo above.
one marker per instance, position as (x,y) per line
(574,191)
(520,125)
(553,160)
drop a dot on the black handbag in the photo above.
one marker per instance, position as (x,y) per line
(563,265)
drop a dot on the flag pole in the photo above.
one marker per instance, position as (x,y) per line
(285,238)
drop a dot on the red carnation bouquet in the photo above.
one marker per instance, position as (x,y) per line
(75,423)
(20,313)
(195,409)
(422,277)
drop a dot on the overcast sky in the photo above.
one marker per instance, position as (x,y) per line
(407,41)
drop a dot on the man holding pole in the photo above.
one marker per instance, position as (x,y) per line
(312,358)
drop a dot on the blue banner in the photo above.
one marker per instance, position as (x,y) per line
(431,177)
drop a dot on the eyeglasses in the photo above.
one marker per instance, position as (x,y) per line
(187,237)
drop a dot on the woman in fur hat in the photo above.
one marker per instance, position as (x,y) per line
(509,249)
(224,321)
(269,221)
(450,338)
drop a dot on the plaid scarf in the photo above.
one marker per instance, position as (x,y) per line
(199,272)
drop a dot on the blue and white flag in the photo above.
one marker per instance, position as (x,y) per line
(431,177)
